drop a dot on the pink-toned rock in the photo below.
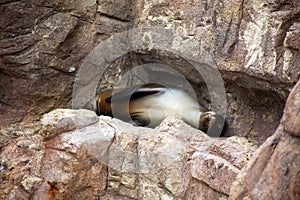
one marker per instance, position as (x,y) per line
(274,170)
(291,117)
(109,158)
(57,121)
(255,45)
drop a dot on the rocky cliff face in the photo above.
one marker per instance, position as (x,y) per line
(74,154)
(77,155)
(275,165)
(254,44)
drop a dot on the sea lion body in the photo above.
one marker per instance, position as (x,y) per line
(149,104)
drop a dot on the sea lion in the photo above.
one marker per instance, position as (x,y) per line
(149,104)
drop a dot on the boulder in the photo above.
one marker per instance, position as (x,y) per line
(274,170)
(90,157)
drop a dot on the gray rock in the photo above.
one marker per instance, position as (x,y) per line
(59,121)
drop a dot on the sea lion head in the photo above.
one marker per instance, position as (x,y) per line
(212,123)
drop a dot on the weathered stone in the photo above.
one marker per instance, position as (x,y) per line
(292,38)
(153,191)
(162,155)
(31,182)
(33,142)
(244,37)
(211,170)
(291,117)
(59,121)
(200,190)
(83,9)
(104,25)
(258,70)
(120,9)
(255,45)
(273,172)
(221,160)
(18,193)
(90,158)
(14,170)
(43,43)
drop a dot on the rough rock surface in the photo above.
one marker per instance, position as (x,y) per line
(255,45)
(291,117)
(42,44)
(100,157)
(274,170)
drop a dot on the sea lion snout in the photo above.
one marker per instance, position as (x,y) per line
(206,120)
